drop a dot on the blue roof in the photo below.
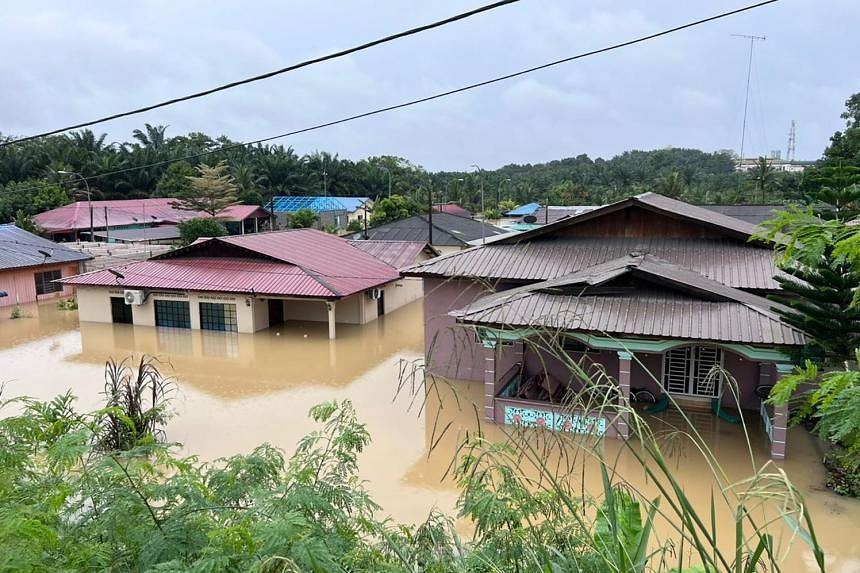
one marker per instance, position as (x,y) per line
(523,210)
(316,203)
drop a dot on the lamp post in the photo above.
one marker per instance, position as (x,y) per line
(481,179)
(387,170)
(89,199)
(448,184)
(499,191)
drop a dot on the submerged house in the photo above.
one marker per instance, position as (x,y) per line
(653,292)
(30,264)
(244,284)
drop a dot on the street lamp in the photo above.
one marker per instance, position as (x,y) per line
(89,199)
(387,170)
(499,191)
(483,234)
(448,184)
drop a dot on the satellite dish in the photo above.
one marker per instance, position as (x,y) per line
(529,219)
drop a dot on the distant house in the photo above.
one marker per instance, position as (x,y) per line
(449,232)
(398,255)
(30,265)
(331,211)
(245,283)
(138,220)
(653,291)
(453,209)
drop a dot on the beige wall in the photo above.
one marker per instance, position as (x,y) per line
(402,292)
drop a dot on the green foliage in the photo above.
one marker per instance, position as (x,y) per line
(507,205)
(25,221)
(833,191)
(27,198)
(175,181)
(832,400)
(211,191)
(355,226)
(845,145)
(67,304)
(763,175)
(303,219)
(492,214)
(16,312)
(193,229)
(393,208)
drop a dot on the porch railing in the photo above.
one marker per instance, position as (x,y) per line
(767,421)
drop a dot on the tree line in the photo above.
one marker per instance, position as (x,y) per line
(154,164)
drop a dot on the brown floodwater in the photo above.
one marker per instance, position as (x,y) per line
(235,391)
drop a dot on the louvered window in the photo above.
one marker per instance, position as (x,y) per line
(690,370)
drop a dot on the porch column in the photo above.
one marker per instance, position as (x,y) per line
(780,419)
(624,363)
(489,350)
(331,319)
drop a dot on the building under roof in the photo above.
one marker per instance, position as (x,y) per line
(396,254)
(29,264)
(316,203)
(246,283)
(450,232)
(664,296)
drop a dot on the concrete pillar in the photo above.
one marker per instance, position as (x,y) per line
(489,350)
(331,319)
(624,363)
(780,420)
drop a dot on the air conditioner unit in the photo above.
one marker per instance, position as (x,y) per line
(134,297)
(374,293)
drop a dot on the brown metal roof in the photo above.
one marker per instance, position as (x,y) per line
(653,202)
(658,314)
(397,254)
(676,303)
(733,263)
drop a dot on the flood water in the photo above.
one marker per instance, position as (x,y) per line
(237,391)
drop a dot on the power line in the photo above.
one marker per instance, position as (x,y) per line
(267,75)
(439,95)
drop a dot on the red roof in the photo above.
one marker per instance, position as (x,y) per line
(453,209)
(301,262)
(123,212)
(397,254)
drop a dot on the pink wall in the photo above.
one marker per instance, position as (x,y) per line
(21,284)
(450,349)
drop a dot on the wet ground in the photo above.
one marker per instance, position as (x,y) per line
(237,391)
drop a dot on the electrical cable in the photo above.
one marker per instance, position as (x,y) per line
(267,75)
(439,95)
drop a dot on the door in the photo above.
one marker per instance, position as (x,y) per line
(689,370)
(380,303)
(120,313)
(276,311)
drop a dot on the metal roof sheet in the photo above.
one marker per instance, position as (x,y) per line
(453,209)
(162,232)
(19,248)
(396,254)
(210,274)
(733,263)
(235,213)
(448,230)
(316,203)
(753,214)
(657,314)
(522,210)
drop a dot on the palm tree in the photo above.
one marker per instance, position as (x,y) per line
(153,138)
(670,185)
(763,174)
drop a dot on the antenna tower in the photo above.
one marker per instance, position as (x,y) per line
(753,40)
(792,142)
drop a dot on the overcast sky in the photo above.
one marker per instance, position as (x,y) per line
(65,62)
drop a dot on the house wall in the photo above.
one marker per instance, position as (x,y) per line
(638,222)
(451,350)
(404,291)
(20,283)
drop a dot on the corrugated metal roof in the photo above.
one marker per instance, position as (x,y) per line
(316,203)
(753,214)
(522,210)
(654,202)
(453,209)
(159,233)
(210,274)
(654,314)
(235,213)
(126,212)
(448,230)
(396,254)
(733,263)
(19,248)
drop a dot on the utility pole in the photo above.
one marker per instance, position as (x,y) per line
(481,180)
(753,40)
(792,142)
(430,215)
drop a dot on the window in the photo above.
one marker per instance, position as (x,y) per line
(44,284)
(217,316)
(688,370)
(120,312)
(173,313)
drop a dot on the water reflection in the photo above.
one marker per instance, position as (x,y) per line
(236,391)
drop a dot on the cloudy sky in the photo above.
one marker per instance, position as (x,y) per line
(67,62)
